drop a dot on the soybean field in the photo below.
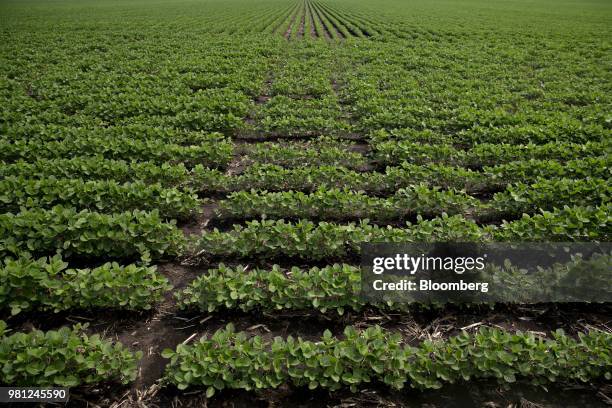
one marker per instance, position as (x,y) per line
(185,186)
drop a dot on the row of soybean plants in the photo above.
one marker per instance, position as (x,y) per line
(236,360)
(69,357)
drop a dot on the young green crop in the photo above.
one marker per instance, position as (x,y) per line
(308,179)
(141,132)
(48,284)
(89,234)
(322,151)
(63,358)
(335,204)
(338,287)
(316,241)
(334,287)
(98,168)
(524,171)
(215,154)
(566,224)
(236,361)
(545,194)
(482,154)
(483,110)
(102,196)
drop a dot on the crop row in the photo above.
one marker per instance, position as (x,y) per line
(103,196)
(546,194)
(89,234)
(320,152)
(336,204)
(98,168)
(517,134)
(64,358)
(49,285)
(316,241)
(333,287)
(276,178)
(483,154)
(236,361)
(142,132)
(338,287)
(130,234)
(213,154)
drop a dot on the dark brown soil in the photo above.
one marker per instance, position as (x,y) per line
(159,331)
(200,220)
(362,148)
(261,99)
